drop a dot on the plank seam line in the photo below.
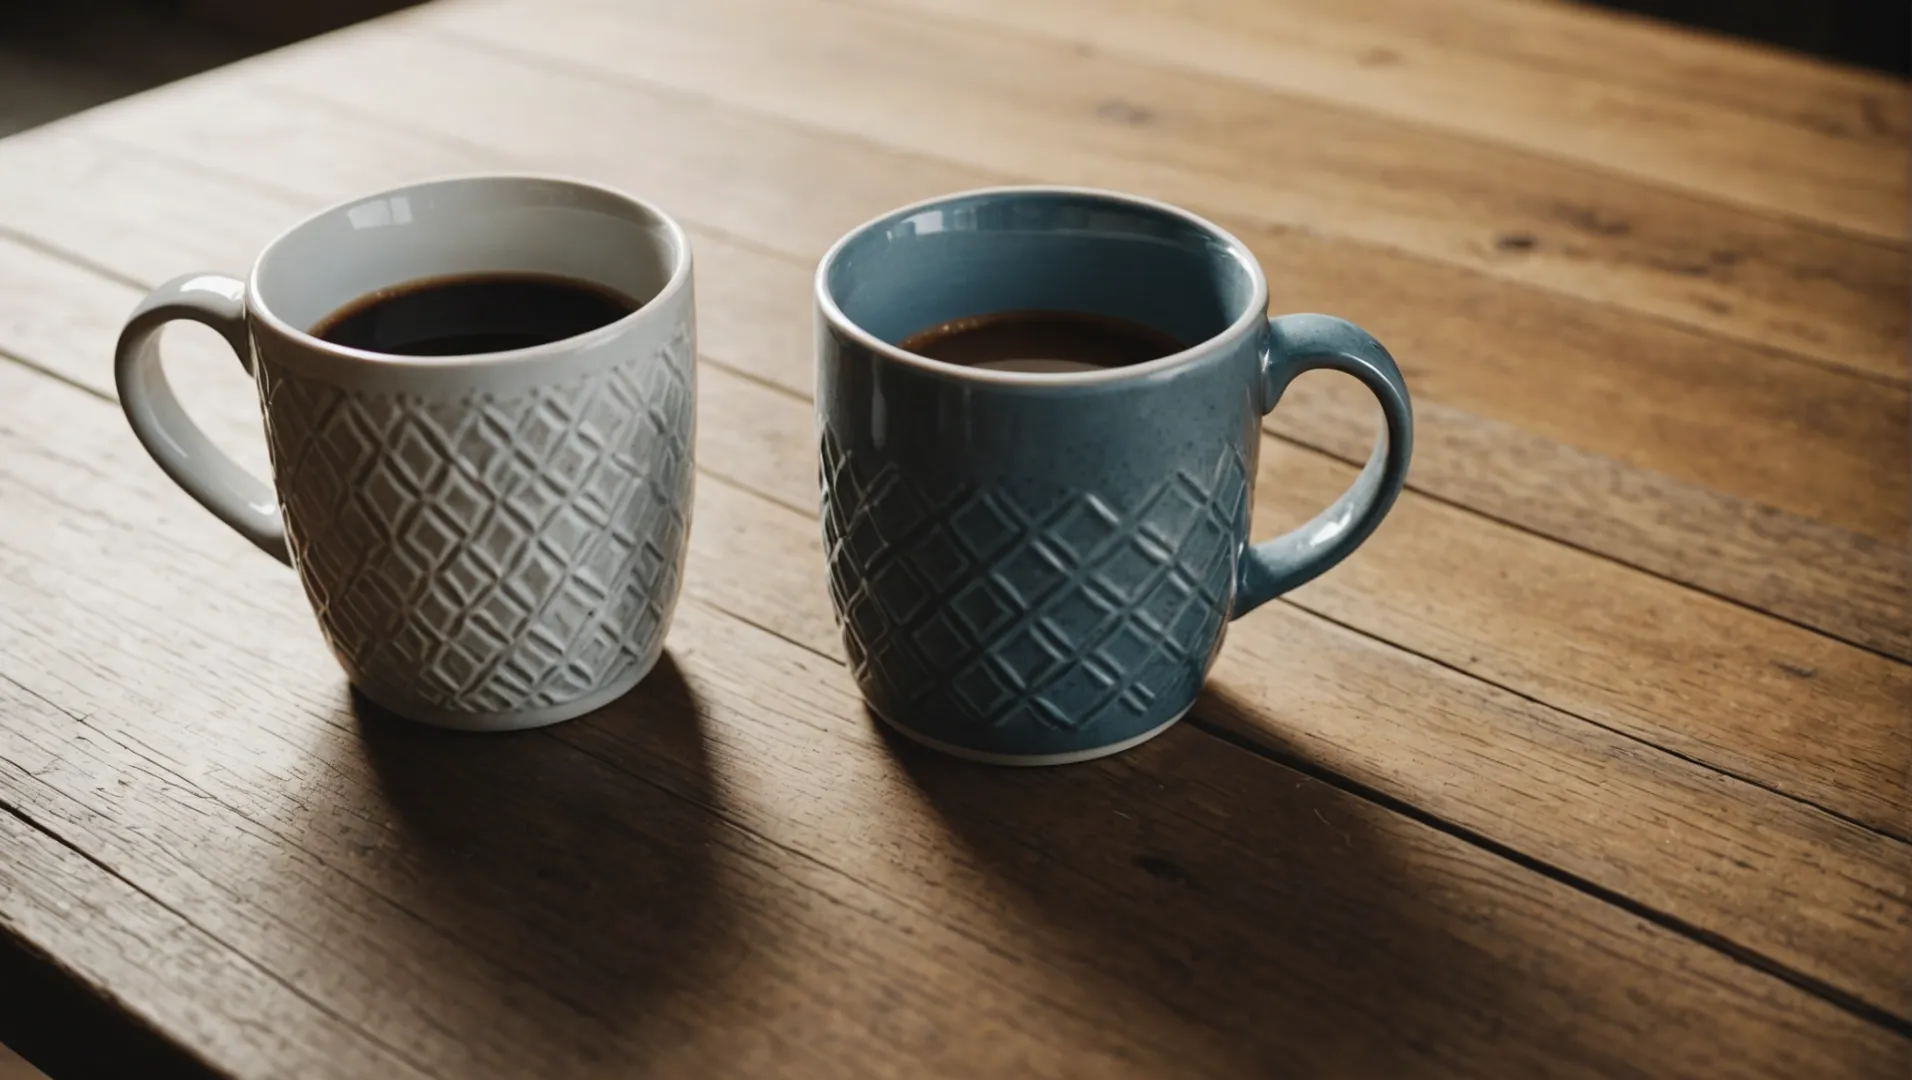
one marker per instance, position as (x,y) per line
(416,131)
(1876,830)
(168,773)
(33,823)
(745,830)
(1433,496)
(759,380)
(72,258)
(1444,500)
(807,513)
(795,395)
(988,945)
(1398,646)
(161,770)
(556,734)
(993,29)
(301,197)
(1716,941)
(329,866)
(35,952)
(437,930)
(1879,830)
(327,1010)
(172,546)
(57,376)
(1747,605)
(597,73)
(1467,835)
(1841,999)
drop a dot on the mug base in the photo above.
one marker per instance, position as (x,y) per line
(522,720)
(1071,757)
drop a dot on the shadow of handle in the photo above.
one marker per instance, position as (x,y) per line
(234,495)
(1301,343)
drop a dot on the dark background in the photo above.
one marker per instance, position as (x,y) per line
(1873,33)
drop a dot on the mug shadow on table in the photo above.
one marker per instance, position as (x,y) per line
(576,861)
(1224,912)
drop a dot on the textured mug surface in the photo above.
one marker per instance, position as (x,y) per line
(489,542)
(1039,568)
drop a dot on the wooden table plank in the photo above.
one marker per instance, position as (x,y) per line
(1562,80)
(1644,649)
(1036,108)
(1486,837)
(731,871)
(1678,403)
(1664,57)
(1844,745)
(1849,585)
(137,946)
(1855,777)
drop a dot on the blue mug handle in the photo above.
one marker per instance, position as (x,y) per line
(1299,343)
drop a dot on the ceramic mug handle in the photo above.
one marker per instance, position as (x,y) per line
(237,497)
(1306,343)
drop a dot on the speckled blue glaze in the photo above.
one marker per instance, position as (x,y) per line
(1040,568)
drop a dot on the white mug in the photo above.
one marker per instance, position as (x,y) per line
(491,541)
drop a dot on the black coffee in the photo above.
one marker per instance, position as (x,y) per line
(473,313)
(1042,341)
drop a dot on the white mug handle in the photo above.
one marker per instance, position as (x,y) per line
(234,495)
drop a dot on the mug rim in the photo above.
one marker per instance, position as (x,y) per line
(1255,311)
(256,307)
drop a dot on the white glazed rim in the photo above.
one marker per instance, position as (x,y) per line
(1254,311)
(256,307)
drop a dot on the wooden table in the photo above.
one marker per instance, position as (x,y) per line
(1593,762)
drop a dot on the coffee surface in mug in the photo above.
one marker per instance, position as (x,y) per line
(1045,342)
(466,314)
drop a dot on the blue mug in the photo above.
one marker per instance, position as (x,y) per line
(1038,568)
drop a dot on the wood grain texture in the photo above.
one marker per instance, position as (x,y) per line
(149,959)
(1853,587)
(730,871)
(1845,745)
(1856,770)
(1558,79)
(1708,679)
(1787,881)
(1679,403)
(1843,742)
(1478,802)
(1681,670)
(1689,406)
(1508,768)
(1655,55)
(1037,108)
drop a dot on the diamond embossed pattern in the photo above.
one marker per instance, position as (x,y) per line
(966,610)
(490,555)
